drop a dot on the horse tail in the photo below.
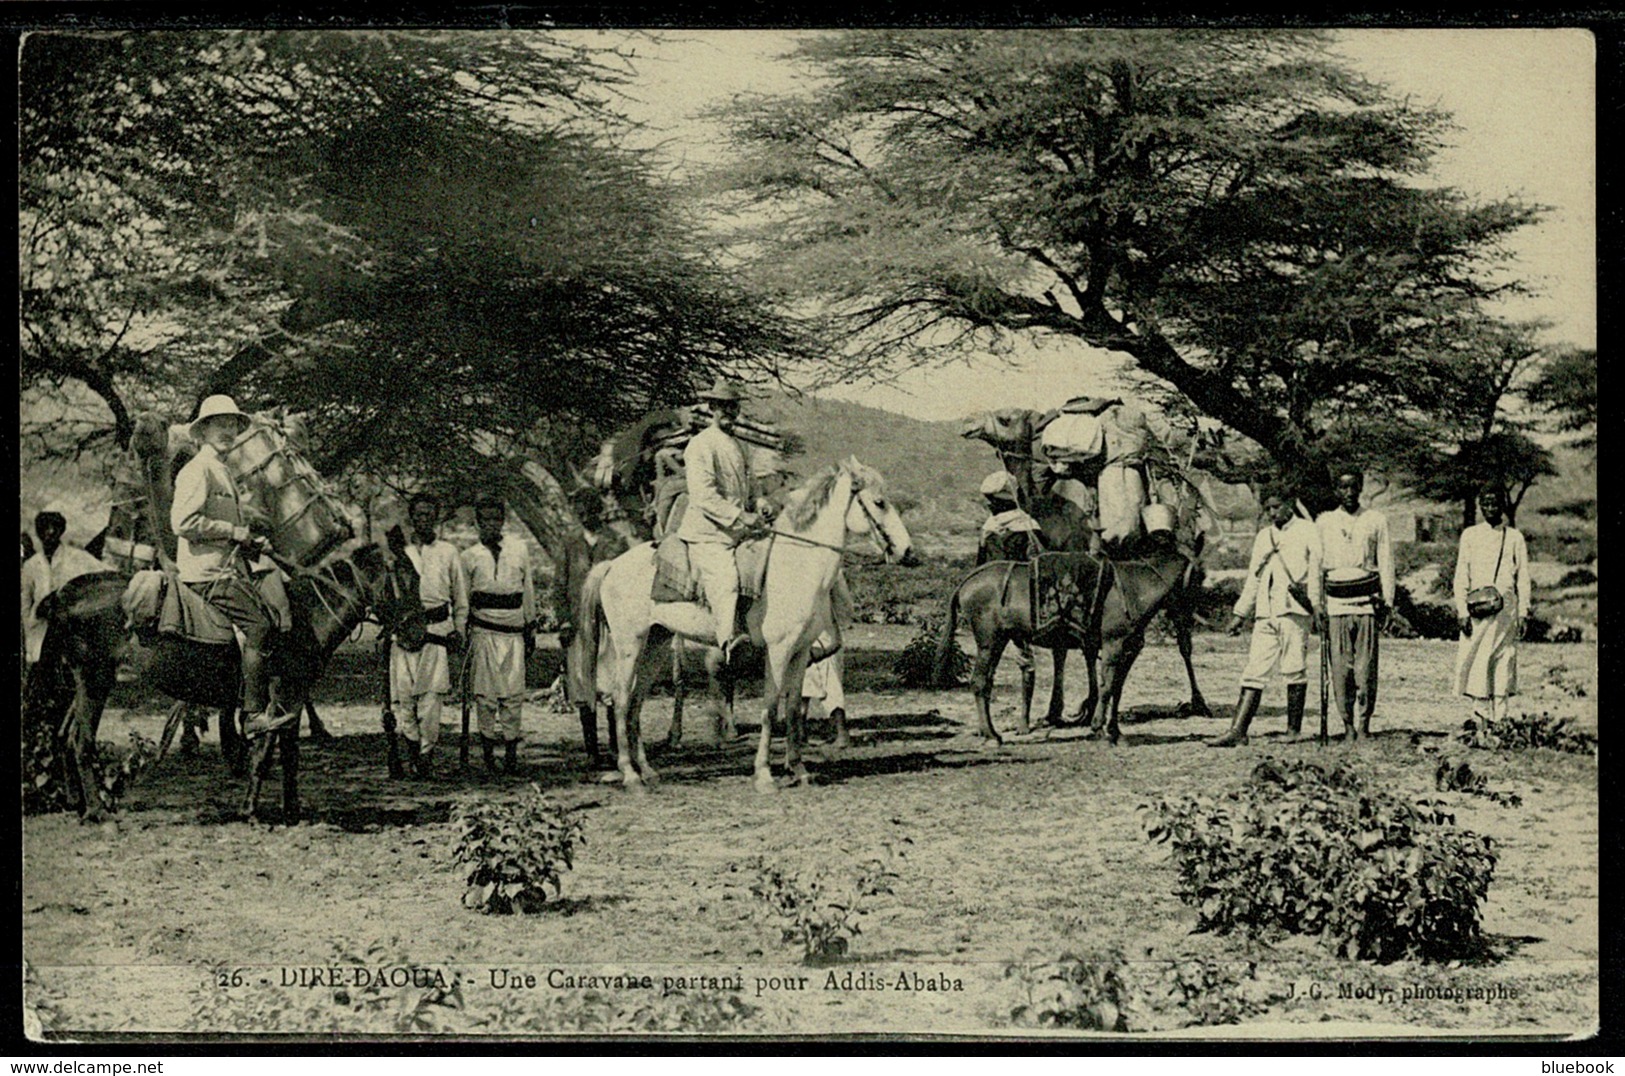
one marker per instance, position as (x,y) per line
(590,623)
(942,668)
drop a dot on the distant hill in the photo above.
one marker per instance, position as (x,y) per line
(935,471)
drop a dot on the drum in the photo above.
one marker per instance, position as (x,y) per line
(1352,583)
(306,521)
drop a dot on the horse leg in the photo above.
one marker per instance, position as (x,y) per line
(795,738)
(318,731)
(290,772)
(763,769)
(722,680)
(83,717)
(1197,707)
(1090,706)
(987,663)
(1029,677)
(231,742)
(259,765)
(626,687)
(1057,691)
(679,694)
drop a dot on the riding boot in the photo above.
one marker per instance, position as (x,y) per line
(1246,707)
(488,750)
(1296,696)
(511,759)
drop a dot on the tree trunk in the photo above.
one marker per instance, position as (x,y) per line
(1469,511)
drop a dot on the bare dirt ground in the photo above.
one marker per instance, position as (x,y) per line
(1024,852)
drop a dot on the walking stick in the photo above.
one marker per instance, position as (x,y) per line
(1325,675)
(390,739)
(462,746)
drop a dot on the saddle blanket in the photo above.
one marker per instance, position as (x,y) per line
(1065,587)
(157,599)
(675,581)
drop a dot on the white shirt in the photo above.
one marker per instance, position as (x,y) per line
(42,576)
(441,580)
(1357,541)
(508,575)
(1475,566)
(1282,556)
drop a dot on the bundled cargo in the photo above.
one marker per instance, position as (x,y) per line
(306,521)
(1073,439)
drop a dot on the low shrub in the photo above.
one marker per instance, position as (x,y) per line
(1105,992)
(515,851)
(1299,850)
(1451,776)
(1527,731)
(1427,620)
(916,664)
(893,594)
(45,762)
(814,911)
(1577,577)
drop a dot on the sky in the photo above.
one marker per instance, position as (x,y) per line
(1523,102)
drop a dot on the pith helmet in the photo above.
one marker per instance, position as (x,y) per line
(215,407)
(724,389)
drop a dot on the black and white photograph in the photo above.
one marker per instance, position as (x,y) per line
(1078,534)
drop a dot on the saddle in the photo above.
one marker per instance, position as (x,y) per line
(157,603)
(676,581)
(1067,593)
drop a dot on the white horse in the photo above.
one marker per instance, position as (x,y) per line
(807,542)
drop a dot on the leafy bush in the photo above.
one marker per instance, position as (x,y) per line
(1527,731)
(892,594)
(1299,850)
(515,850)
(45,763)
(602,1012)
(915,665)
(1428,620)
(815,912)
(1451,776)
(1215,601)
(1107,993)
(1577,577)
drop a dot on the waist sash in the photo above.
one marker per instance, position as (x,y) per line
(486,625)
(482,599)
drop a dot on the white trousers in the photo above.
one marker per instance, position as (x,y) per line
(418,684)
(1279,643)
(714,563)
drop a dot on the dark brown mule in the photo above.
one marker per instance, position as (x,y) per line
(996,600)
(86,627)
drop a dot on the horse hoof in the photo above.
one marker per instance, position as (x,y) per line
(764,782)
(650,777)
(635,786)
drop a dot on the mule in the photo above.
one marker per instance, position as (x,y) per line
(996,600)
(86,627)
(804,553)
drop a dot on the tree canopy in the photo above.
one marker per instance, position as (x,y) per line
(1240,214)
(434,243)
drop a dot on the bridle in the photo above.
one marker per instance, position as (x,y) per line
(876,531)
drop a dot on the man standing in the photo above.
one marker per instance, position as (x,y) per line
(502,616)
(594,546)
(718,517)
(1008,533)
(218,555)
(45,571)
(418,681)
(1359,563)
(1492,603)
(1282,595)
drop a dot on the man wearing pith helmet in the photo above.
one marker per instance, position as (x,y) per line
(216,550)
(719,514)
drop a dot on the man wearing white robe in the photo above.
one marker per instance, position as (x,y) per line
(55,563)
(502,614)
(419,681)
(1492,554)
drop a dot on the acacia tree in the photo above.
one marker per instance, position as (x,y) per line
(432,242)
(1567,389)
(1235,211)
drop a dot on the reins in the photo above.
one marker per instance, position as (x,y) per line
(875,528)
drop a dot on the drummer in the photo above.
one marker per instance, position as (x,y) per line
(1359,563)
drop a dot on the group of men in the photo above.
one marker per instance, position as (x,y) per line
(1335,577)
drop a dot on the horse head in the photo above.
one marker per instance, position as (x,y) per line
(872,513)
